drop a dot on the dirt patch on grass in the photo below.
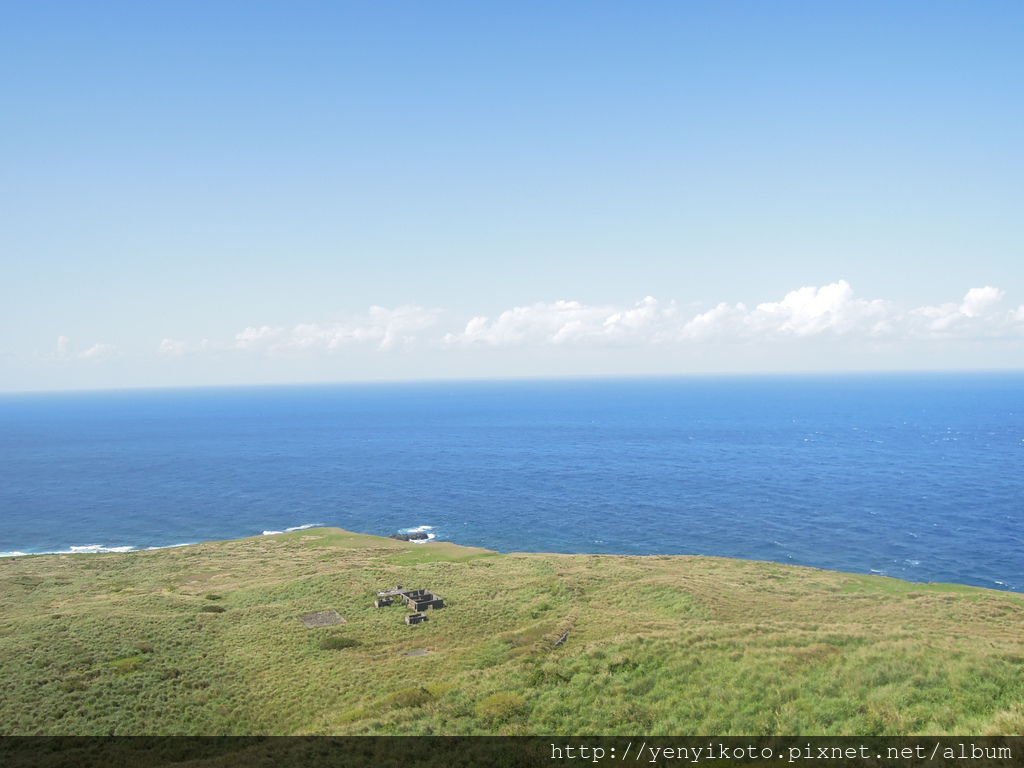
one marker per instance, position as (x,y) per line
(322,619)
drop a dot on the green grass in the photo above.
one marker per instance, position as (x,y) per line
(137,644)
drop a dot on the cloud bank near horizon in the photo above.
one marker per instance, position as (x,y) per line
(810,312)
(829,310)
(806,312)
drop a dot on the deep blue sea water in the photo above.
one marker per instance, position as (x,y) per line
(915,476)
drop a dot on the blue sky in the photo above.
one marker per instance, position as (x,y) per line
(215,193)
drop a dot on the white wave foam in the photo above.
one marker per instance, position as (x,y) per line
(417,529)
(98,549)
(94,549)
(84,549)
(294,528)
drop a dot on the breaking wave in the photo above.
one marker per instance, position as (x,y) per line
(302,527)
(92,549)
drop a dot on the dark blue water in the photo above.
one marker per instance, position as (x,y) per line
(916,476)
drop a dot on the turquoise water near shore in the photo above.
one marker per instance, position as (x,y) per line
(916,476)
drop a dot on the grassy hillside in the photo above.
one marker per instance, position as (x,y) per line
(207,639)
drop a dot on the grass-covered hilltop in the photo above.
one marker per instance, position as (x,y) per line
(210,639)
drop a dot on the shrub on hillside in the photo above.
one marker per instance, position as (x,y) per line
(410,697)
(337,642)
(501,707)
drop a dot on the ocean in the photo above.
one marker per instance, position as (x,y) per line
(918,476)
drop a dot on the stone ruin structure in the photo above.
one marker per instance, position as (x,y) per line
(416,600)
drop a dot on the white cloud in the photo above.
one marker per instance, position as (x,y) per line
(647,315)
(810,311)
(568,322)
(65,350)
(542,322)
(98,352)
(384,328)
(974,316)
(978,301)
(172,348)
(717,322)
(252,337)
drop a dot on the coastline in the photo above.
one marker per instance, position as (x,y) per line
(315,528)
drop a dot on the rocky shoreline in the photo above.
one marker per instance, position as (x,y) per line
(414,536)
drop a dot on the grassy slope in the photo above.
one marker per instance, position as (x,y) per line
(95,644)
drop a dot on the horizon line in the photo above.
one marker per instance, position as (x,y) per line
(851,373)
